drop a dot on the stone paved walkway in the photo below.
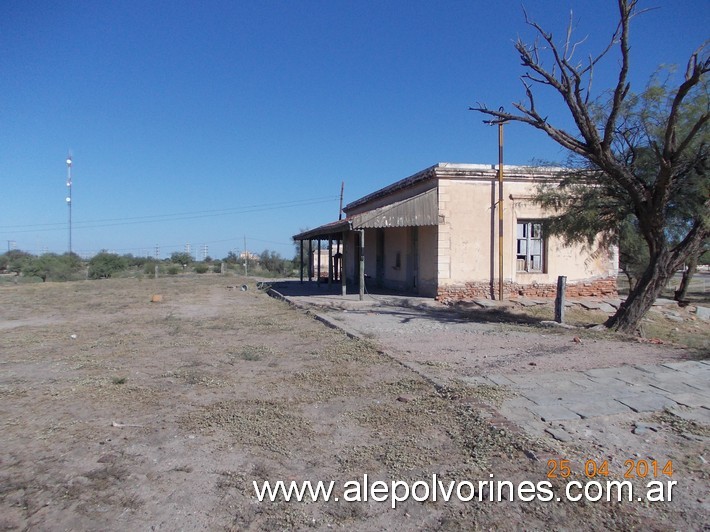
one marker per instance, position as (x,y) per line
(681,387)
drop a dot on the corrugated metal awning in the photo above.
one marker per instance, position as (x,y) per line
(332,230)
(418,210)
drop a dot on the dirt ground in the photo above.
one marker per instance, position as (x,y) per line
(119,413)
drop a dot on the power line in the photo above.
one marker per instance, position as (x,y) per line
(157,218)
(157,248)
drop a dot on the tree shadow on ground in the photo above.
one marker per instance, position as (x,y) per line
(405,308)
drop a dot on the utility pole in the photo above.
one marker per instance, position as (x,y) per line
(69,163)
(499,122)
(342,189)
(246,257)
(500,209)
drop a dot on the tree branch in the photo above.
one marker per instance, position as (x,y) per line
(622,86)
(696,69)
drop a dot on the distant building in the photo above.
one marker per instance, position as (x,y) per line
(319,262)
(436,234)
(249,256)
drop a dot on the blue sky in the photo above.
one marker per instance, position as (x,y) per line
(205,122)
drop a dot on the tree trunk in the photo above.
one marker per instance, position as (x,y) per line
(642,296)
(630,278)
(682,291)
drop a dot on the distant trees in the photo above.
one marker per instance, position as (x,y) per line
(103,265)
(231,258)
(273,262)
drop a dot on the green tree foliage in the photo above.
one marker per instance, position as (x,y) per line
(138,262)
(273,262)
(105,265)
(641,159)
(52,267)
(13,260)
(181,258)
(201,267)
(231,258)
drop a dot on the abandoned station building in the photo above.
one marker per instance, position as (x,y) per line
(436,234)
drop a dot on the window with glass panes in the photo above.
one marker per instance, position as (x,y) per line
(530,247)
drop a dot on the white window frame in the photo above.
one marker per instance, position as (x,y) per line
(530,247)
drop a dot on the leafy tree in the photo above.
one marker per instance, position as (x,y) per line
(231,258)
(633,250)
(39,266)
(138,262)
(13,260)
(183,258)
(691,267)
(270,260)
(273,262)
(51,266)
(104,265)
(641,157)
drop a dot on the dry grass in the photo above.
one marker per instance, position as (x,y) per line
(122,413)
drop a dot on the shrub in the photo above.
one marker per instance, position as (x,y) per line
(14,260)
(201,268)
(104,265)
(173,270)
(51,266)
(149,267)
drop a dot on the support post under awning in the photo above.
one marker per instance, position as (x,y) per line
(342,268)
(362,264)
(301,269)
(330,262)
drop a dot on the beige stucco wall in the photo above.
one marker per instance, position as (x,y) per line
(464,237)
(398,241)
(469,223)
(428,271)
(397,245)
(460,254)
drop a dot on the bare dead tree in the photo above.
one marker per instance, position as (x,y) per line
(608,143)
